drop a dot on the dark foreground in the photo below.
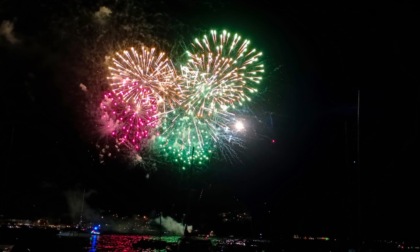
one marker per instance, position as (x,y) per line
(47,240)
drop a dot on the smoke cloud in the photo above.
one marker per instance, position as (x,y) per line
(78,207)
(6,31)
(102,15)
(170,225)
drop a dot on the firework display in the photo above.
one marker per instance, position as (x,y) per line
(184,116)
(131,72)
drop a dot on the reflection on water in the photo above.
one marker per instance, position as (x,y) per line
(127,243)
(93,243)
(123,243)
(40,240)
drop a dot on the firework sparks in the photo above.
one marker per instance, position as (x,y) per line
(131,72)
(220,75)
(130,125)
(190,141)
(184,118)
(221,72)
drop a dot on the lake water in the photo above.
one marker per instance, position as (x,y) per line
(32,240)
(47,240)
(109,242)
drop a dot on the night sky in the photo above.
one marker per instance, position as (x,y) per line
(340,99)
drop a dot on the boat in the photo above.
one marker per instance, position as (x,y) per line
(82,229)
(79,232)
(73,232)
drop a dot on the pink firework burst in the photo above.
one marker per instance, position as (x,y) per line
(131,125)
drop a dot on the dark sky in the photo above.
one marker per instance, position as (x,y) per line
(318,59)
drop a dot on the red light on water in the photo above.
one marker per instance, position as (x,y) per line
(116,243)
